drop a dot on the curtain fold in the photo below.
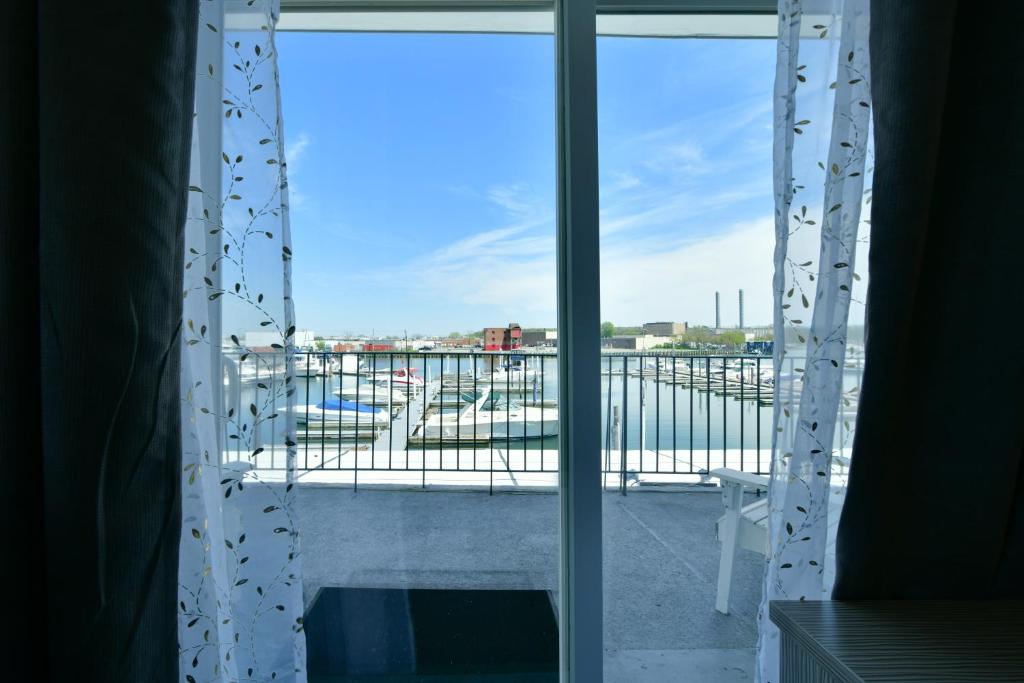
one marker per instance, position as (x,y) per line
(240,599)
(94,139)
(821,152)
(114,115)
(935,505)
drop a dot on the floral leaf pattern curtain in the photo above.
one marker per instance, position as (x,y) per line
(821,179)
(240,608)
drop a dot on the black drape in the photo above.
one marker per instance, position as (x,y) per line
(94,152)
(935,503)
(21,466)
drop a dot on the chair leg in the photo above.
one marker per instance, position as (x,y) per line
(732,497)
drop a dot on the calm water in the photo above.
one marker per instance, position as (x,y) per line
(695,426)
(673,415)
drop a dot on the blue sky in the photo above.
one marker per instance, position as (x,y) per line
(422,178)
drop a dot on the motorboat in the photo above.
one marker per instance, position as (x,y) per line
(349,364)
(511,373)
(495,417)
(370,394)
(339,412)
(245,372)
(313,365)
(401,378)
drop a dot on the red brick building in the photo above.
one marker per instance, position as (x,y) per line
(503,338)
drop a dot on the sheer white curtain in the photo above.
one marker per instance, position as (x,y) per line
(240,593)
(821,178)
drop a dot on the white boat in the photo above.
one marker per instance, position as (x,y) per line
(402,378)
(511,373)
(371,395)
(313,365)
(495,418)
(349,364)
(337,412)
(246,372)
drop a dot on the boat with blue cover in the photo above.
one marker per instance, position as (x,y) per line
(338,411)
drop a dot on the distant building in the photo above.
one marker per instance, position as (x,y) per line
(763,331)
(503,338)
(643,343)
(378,345)
(459,343)
(330,342)
(540,337)
(416,344)
(627,343)
(663,329)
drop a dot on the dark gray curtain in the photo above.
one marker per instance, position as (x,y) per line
(94,152)
(21,465)
(935,503)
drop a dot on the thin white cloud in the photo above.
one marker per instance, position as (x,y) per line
(620,181)
(295,149)
(710,126)
(648,279)
(512,198)
(293,152)
(641,280)
(683,157)
(673,209)
(506,241)
(687,151)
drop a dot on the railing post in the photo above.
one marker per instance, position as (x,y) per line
(616,434)
(643,417)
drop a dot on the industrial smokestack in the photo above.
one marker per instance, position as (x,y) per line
(741,309)
(718,311)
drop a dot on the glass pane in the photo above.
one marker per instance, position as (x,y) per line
(686,265)
(421,159)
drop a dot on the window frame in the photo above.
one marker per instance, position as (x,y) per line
(577,228)
(581,582)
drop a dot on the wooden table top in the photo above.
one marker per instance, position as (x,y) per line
(909,640)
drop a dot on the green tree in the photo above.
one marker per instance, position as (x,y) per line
(607,330)
(319,344)
(698,335)
(731,338)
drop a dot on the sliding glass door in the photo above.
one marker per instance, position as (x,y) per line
(686,300)
(422,168)
(526,351)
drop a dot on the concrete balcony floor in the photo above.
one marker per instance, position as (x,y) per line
(660,565)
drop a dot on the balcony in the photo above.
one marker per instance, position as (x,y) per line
(661,563)
(414,473)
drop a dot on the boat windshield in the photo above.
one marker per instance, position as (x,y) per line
(496,403)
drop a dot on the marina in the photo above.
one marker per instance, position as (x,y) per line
(429,416)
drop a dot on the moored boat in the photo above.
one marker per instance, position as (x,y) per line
(494,417)
(339,412)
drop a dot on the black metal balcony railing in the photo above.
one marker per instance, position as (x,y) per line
(663,413)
